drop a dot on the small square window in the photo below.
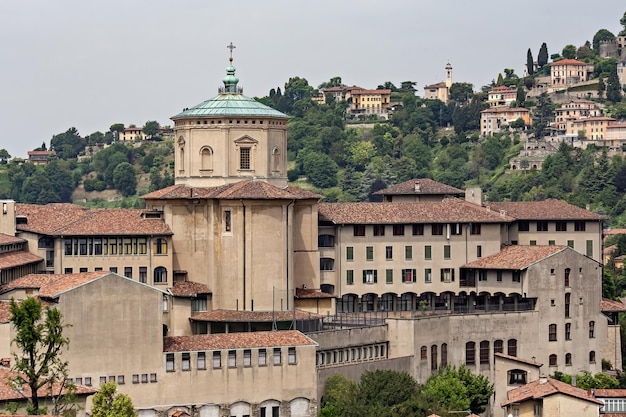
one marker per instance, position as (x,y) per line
(262,357)
(103,379)
(112,378)
(291,356)
(88,381)
(153,377)
(135,378)
(277,356)
(144,378)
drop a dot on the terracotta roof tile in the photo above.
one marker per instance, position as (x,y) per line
(312,293)
(449,210)
(17,258)
(610,393)
(568,62)
(8,239)
(189,289)
(421,186)
(550,209)
(52,285)
(247,189)
(536,390)
(515,257)
(252,316)
(8,393)
(504,109)
(236,340)
(520,360)
(62,219)
(611,305)
(5,312)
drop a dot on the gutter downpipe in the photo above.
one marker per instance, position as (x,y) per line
(244,253)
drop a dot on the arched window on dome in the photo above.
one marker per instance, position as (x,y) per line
(206,157)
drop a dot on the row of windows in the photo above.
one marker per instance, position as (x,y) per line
(232,359)
(408,252)
(553,359)
(159,274)
(559,226)
(197,122)
(354,354)
(552,331)
(118,379)
(11,247)
(470,352)
(407,275)
(113,246)
(417,229)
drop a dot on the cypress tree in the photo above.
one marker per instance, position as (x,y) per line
(530,64)
(542,58)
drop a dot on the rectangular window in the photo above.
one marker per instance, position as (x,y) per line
(482,275)
(499,276)
(232,358)
(398,230)
(128,272)
(552,333)
(185,363)
(201,362)
(349,277)
(198,304)
(542,226)
(516,276)
(68,247)
(589,251)
(359,230)
(408,253)
(227,221)
(370,276)
(143,274)
(244,158)
(142,243)
(551,242)
(523,226)
(69,270)
(418,229)
(247,358)
(262,357)
(455,229)
(389,253)
(153,377)
(570,243)
(428,252)
(291,356)
(389,276)
(379,230)
(408,275)
(169,362)
(533,243)
(369,253)
(561,226)
(579,226)
(349,253)
(428,275)
(135,378)
(120,380)
(479,251)
(475,228)
(82,270)
(446,251)
(217,359)
(277,358)
(82,246)
(447,274)
(437,229)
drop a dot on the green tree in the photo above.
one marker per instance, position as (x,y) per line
(408,86)
(601,35)
(68,145)
(542,56)
(584,51)
(461,92)
(530,63)
(521,96)
(452,388)
(601,87)
(320,169)
(622,22)
(613,86)
(4,156)
(569,52)
(543,115)
(333,82)
(39,343)
(117,127)
(124,179)
(109,403)
(152,129)
(339,396)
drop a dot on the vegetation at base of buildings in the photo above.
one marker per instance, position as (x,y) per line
(39,343)
(109,403)
(393,393)
(587,381)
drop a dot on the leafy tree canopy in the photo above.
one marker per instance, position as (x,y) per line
(569,52)
(109,403)
(601,35)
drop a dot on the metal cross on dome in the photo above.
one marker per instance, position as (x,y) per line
(231,47)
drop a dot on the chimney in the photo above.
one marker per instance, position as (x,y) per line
(543,379)
(474,196)
(7,217)
(417,187)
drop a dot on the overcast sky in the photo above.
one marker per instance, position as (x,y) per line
(89,64)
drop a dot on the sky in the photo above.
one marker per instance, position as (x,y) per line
(90,64)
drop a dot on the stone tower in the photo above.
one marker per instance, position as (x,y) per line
(448,76)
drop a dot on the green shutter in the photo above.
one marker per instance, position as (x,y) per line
(414,275)
(446,251)
(427,252)
(375,276)
(390,276)
(590,248)
(350,277)
(442,274)
(364,277)
(408,252)
(349,253)
(369,253)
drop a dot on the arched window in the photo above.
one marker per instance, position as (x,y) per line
(568,359)
(181,153)
(511,348)
(275,159)
(568,298)
(552,333)
(470,353)
(592,329)
(206,157)
(423,353)
(160,246)
(517,376)
(498,346)
(592,356)
(484,352)
(160,275)
(568,331)
(444,354)
(567,272)
(433,358)
(552,360)
(325,241)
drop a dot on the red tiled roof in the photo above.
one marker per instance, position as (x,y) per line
(520,360)
(611,232)
(550,209)
(568,62)
(253,316)
(611,305)
(236,340)
(610,393)
(421,186)
(437,85)
(312,293)
(5,312)
(62,219)
(504,109)
(594,119)
(515,257)
(17,258)
(449,210)
(52,285)
(9,393)
(537,390)
(40,152)
(189,289)
(247,189)
(8,239)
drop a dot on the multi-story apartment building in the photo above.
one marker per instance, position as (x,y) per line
(131,133)
(567,72)
(574,110)
(591,128)
(501,95)
(493,120)
(368,102)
